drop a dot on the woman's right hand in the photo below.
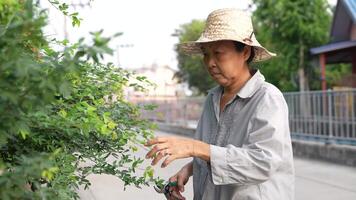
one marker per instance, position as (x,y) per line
(181,178)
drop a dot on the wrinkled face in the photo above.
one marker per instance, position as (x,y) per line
(223,62)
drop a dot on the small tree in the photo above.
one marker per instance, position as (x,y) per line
(60,109)
(291,28)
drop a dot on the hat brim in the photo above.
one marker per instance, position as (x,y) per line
(192,48)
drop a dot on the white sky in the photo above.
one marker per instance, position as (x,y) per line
(147,24)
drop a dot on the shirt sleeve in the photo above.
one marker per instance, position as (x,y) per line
(262,153)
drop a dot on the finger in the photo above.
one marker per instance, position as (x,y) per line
(177,194)
(172,188)
(173,178)
(168,160)
(159,156)
(156,140)
(171,197)
(155,149)
(180,183)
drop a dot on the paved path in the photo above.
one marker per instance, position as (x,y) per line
(324,181)
(314,180)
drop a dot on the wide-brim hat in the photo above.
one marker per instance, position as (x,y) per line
(228,24)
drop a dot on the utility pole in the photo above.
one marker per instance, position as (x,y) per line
(118,51)
(74,5)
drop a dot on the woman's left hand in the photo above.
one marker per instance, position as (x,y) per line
(172,147)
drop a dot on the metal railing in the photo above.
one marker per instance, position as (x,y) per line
(323,116)
(328,116)
(172,110)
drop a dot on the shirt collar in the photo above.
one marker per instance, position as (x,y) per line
(215,90)
(251,86)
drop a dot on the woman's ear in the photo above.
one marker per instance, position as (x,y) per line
(247,52)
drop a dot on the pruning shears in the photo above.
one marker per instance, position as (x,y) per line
(166,189)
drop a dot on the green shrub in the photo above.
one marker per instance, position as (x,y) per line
(60,109)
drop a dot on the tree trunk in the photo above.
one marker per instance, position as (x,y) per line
(303,84)
(303,80)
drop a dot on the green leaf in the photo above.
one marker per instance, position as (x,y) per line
(49,174)
(148,173)
(62,113)
(104,130)
(134,148)
(114,136)
(111,125)
(24,133)
(117,34)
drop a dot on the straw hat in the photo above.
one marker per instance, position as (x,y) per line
(228,24)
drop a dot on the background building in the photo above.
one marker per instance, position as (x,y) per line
(342,46)
(165,87)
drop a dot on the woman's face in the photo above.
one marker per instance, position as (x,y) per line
(223,62)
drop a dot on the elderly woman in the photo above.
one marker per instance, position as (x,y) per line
(242,147)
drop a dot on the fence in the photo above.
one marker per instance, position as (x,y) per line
(172,110)
(323,116)
(328,116)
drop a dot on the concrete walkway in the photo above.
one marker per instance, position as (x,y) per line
(314,180)
(323,180)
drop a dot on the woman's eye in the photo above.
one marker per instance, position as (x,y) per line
(205,54)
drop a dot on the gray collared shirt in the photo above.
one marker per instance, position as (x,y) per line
(250,146)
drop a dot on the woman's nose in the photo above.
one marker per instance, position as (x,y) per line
(210,62)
